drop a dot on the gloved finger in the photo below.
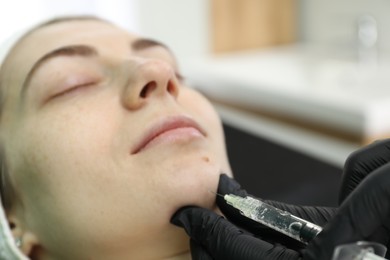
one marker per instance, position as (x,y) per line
(228,185)
(382,235)
(223,240)
(361,163)
(365,212)
(198,252)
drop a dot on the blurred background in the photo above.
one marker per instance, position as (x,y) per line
(299,84)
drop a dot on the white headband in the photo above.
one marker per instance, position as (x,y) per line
(8,247)
(9,43)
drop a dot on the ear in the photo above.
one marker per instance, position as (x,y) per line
(27,240)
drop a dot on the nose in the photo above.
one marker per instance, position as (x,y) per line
(150,79)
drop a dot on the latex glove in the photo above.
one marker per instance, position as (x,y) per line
(213,237)
(358,166)
(361,163)
(362,216)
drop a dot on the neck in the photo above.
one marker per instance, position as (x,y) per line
(175,246)
(182,256)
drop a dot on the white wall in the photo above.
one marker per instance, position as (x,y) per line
(334,21)
(182,24)
(19,14)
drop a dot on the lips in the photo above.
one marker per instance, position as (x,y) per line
(175,123)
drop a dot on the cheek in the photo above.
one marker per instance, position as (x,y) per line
(199,174)
(80,130)
(204,111)
(72,184)
(201,107)
(66,156)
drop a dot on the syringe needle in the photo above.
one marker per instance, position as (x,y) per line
(216,193)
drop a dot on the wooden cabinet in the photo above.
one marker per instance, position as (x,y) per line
(247,24)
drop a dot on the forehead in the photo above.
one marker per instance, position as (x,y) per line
(53,36)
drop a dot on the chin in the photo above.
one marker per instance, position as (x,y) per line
(192,182)
(201,193)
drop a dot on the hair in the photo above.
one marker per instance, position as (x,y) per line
(7,191)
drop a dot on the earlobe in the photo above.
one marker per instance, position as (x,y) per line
(25,240)
(29,242)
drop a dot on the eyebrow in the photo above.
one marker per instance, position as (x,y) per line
(83,51)
(145,43)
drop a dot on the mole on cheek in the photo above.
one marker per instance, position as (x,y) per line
(206,159)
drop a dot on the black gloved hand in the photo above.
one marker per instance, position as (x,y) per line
(361,163)
(362,216)
(358,166)
(213,237)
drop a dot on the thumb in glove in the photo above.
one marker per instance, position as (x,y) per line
(213,236)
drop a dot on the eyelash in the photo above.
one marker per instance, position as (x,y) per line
(71,89)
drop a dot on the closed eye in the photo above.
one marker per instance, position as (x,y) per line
(71,90)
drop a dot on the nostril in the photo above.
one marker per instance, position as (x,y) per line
(147,89)
(171,88)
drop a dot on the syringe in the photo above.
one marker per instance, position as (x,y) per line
(274,218)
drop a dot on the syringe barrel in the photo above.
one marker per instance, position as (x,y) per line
(275,218)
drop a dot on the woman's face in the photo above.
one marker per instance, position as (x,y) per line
(104,142)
